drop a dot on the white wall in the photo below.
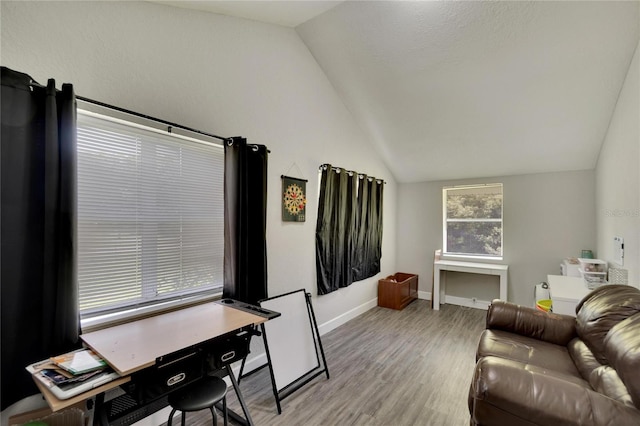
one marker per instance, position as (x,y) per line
(222,75)
(618,177)
(547,217)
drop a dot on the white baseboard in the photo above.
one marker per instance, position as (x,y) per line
(426,295)
(465,301)
(349,315)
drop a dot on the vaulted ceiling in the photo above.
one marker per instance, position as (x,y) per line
(448,90)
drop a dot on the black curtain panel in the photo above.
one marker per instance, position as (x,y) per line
(245,221)
(374,228)
(367,250)
(335,228)
(363,222)
(40,316)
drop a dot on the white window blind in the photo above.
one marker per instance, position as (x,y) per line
(150,215)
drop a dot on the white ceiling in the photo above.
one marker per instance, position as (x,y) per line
(285,13)
(449,90)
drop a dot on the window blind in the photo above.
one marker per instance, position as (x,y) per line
(150,215)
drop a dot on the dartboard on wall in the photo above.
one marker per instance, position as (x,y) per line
(294,199)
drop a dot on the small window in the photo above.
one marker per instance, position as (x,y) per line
(473,220)
(150,216)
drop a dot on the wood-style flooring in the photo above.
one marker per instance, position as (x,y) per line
(387,367)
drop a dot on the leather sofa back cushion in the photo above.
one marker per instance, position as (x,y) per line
(545,326)
(622,346)
(602,309)
(605,380)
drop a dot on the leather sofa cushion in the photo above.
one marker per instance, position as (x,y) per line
(582,357)
(527,350)
(503,392)
(622,348)
(605,380)
(600,310)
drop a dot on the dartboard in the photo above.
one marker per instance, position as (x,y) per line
(294,200)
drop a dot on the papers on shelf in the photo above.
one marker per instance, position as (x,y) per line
(79,362)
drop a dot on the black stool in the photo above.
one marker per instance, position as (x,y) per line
(204,393)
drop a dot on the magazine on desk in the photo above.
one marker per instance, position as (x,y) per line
(63,384)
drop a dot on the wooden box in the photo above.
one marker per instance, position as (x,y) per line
(398,290)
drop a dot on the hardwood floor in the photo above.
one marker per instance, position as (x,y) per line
(387,367)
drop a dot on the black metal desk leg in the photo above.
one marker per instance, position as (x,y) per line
(240,398)
(99,412)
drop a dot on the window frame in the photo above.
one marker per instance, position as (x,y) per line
(94,321)
(471,256)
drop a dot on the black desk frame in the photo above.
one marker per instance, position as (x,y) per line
(128,416)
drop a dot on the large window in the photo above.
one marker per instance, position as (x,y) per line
(150,216)
(473,220)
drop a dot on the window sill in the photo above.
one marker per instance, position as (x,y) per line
(480,259)
(115,318)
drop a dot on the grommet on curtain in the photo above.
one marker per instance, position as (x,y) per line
(350,172)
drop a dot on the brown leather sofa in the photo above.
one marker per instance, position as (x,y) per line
(539,368)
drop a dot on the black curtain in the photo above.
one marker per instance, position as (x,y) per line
(40,316)
(367,250)
(245,221)
(335,229)
(371,209)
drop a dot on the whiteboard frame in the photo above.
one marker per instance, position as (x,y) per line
(282,352)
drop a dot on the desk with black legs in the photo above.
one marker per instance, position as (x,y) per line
(154,354)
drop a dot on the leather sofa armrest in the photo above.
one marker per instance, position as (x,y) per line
(530,322)
(505,392)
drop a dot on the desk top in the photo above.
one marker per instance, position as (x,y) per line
(474,265)
(136,345)
(565,288)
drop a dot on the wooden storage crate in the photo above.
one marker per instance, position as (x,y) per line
(398,290)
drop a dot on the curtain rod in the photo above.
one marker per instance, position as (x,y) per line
(360,175)
(167,123)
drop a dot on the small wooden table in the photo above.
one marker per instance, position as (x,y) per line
(469,267)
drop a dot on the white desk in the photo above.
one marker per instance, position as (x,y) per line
(469,267)
(566,292)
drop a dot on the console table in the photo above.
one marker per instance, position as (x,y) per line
(469,267)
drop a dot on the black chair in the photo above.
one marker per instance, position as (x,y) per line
(204,393)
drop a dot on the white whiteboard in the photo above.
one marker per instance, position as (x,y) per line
(292,348)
